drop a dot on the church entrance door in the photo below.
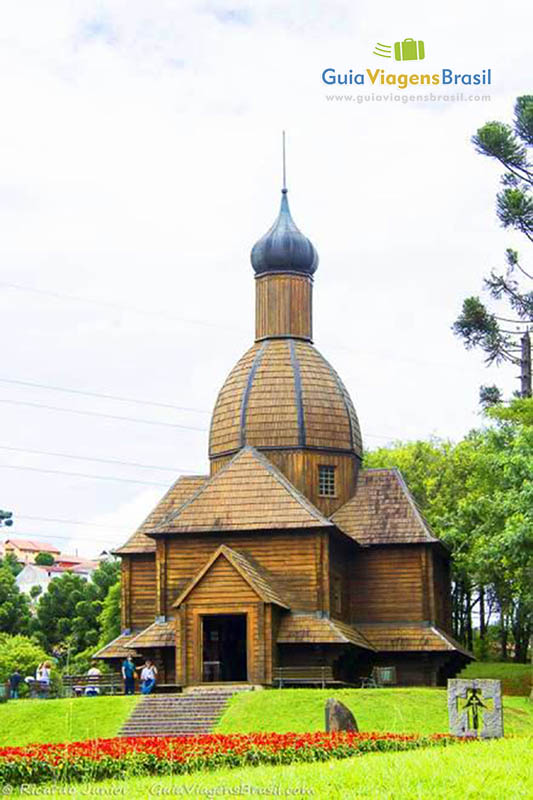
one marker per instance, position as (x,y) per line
(224,648)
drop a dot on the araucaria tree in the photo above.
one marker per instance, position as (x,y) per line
(504,336)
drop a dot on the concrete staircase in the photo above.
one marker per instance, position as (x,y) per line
(186,714)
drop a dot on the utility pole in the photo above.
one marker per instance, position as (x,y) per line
(525,365)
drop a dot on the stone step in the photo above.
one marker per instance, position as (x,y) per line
(177,714)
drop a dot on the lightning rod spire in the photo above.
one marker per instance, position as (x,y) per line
(284,189)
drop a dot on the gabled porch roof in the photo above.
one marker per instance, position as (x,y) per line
(252,573)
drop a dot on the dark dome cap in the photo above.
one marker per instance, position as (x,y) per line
(284,248)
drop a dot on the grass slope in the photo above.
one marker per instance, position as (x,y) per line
(515,678)
(392,710)
(479,771)
(71,720)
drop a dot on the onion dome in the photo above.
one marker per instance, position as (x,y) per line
(284,248)
(284,394)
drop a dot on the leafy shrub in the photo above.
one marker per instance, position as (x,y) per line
(19,652)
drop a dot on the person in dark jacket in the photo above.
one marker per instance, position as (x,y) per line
(14,681)
(128,673)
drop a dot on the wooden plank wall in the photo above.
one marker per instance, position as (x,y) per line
(389,583)
(342,562)
(442,591)
(143,588)
(290,557)
(222,584)
(301,468)
(283,306)
(414,669)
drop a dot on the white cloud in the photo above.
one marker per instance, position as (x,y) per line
(140,161)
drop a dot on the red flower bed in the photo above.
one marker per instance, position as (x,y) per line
(118,758)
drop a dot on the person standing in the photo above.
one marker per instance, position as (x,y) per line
(43,677)
(14,681)
(128,673)
(148,676)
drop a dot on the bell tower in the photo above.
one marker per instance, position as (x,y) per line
(284,261)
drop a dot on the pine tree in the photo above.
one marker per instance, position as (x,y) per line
(505,338)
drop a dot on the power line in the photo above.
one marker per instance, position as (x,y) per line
(47,537)
(99,414)
(73,522)
(99,460)
(218,326)
(137,419)
(82,475)
(104,396)
(117,306)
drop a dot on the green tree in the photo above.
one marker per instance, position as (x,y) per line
(478,497)
(35,591)
(56,609)
(86,624)
(67,615)
(109,619)
(10,561)
(19,652)
(14,610)
(505,337)
(44,559)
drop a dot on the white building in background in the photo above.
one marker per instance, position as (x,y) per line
(32,575)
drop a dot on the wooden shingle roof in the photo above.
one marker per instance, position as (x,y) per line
(310,629)
(178,493)
(283,393)
(248,493)
(383,511)
(118,648)
(410,637)
(252,573)
(158,634)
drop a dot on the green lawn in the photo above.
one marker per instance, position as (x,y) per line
(28,721)
(515,678)
(479,771)
(393,710)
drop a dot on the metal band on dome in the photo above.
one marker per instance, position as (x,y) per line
(298,393)
(247,389)
(353,422)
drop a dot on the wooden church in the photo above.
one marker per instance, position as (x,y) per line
(289,562)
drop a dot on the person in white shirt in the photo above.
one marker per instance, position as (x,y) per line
(42,677)
(92,672)
(148,676)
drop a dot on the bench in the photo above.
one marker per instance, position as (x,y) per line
(313,675)
(381,676)
(106,684)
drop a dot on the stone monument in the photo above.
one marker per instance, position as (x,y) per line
(339,717)
(475,708)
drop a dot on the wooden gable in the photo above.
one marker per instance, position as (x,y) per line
(249,493)
(228,576)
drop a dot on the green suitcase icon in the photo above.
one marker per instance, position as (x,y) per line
(409,50)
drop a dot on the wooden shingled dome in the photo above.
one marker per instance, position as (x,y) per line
(283,394)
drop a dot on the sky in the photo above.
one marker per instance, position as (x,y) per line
(140,159)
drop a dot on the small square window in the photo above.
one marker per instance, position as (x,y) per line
(326,481)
